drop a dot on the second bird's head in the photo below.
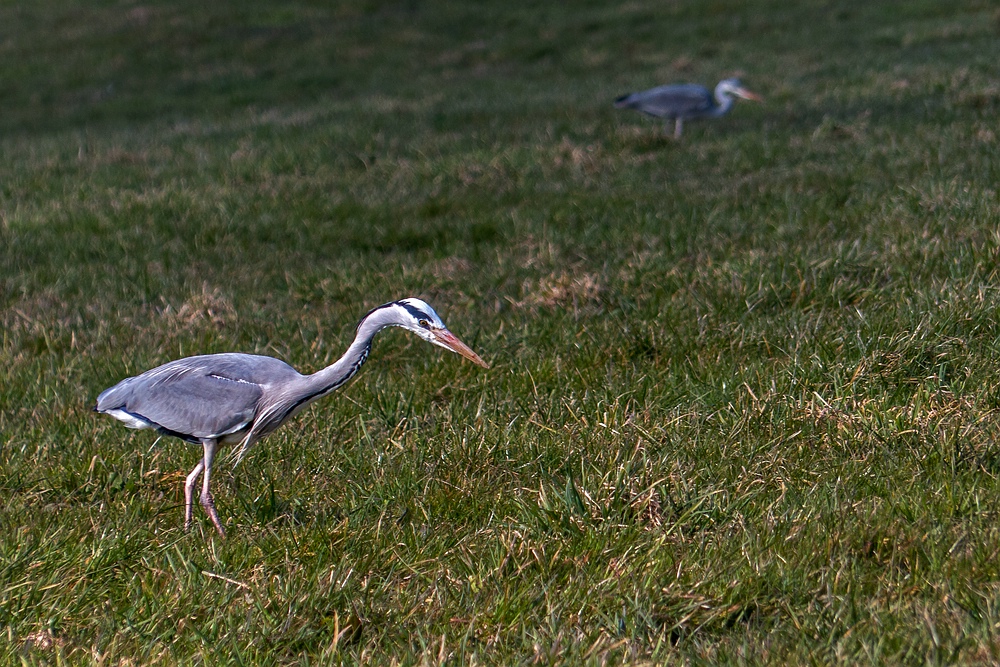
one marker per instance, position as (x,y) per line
(735,87)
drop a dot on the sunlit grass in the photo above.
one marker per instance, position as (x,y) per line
(742,405)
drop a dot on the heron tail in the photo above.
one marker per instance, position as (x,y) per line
(624,102)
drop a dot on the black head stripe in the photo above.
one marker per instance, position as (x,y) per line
(414,311)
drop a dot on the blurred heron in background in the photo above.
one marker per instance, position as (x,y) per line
(686,101)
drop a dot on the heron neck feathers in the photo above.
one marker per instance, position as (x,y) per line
(723,102)
(324,381)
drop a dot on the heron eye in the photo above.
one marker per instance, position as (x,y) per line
(424,323)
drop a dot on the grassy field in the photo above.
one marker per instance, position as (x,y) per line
(743,404)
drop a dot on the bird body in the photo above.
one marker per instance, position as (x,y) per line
(207,396)
(234,398)
(680,102)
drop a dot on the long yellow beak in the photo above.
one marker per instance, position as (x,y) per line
(449,340)
(749,95)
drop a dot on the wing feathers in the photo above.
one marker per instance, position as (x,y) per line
(193,398)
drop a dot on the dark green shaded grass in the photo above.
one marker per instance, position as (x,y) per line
(742,406)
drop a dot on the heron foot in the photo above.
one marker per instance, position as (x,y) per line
(208,502)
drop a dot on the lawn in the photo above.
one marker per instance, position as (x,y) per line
(742,405)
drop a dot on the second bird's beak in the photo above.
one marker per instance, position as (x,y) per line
(448,340)
(748,95)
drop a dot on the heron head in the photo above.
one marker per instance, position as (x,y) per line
(735,87)
(417,316)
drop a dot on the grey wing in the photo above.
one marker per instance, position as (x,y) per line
(679,101)
(191,399)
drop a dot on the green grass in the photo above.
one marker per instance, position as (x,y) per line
(743,404)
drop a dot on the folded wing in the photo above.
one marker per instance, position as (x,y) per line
(193,399)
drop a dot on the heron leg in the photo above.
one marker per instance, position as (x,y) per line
(678,128)
(207,501)
(189,483)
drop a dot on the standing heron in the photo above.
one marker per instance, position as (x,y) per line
(686,101)
(240,398)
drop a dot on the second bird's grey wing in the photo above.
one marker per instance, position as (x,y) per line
(190,403)
(678,101)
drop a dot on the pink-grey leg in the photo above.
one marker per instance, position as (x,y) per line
(189,483)
(206,496)
(206,499)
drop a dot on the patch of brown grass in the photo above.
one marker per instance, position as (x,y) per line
(209,305)
(43,640)
(561,290)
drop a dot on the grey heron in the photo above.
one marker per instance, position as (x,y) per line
(681,102)
(230,398)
